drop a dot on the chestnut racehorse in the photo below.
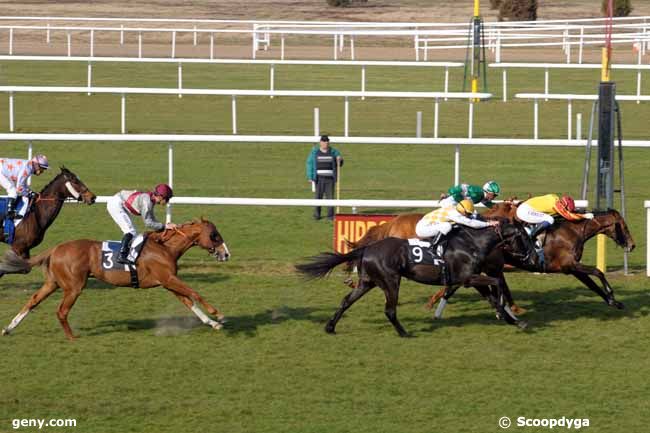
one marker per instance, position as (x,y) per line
(46,207)
(69,264)
(563,245)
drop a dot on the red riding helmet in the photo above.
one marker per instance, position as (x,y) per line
(568,203)
(164,190)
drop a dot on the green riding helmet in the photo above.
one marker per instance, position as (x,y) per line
(493,187)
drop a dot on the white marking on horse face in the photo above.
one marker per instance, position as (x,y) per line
(73,191)
(226,255)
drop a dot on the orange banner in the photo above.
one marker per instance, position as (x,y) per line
(353,227)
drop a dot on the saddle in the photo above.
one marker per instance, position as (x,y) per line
(111,250)
(8,226)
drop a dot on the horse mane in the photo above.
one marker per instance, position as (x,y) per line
(160,236)
(55,178)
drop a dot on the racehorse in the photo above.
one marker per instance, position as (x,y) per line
(564,242)
(563,246)
(384,263)
(69,264)
(45,207)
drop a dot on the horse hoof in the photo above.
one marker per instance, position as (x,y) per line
(522,324)
(5,331)
(217,326)
(222,319)
(330,329)
(618,305)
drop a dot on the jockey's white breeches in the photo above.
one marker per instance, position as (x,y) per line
(9,186)
(120,215)
(427,229)
(531,216)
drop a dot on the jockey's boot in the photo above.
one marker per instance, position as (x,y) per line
(11,208)
(124,250)
(537,229)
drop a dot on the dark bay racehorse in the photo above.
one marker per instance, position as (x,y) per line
(384,263)
(45,207)
(68,265)
(563,246)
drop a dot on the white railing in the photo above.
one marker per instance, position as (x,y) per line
(233,93)
(569,98)
(174,138)
(630,29)
(547,66)
(271,63)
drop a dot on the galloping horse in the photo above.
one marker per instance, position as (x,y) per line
(68,265)
(384,263)
(563,245)
(46,207)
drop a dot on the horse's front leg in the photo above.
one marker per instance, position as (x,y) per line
(174,284)
(191,305)
(582,273)
(499,300)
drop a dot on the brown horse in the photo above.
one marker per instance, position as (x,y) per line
(68,265)
(563,245)
(46,207)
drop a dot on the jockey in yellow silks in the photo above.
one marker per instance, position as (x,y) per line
(441,221)
(539,211)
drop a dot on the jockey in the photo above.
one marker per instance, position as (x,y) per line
(441,221)
(539,211)
(14,174)
(474,193)
(133,202)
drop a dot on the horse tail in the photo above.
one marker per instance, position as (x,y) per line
(322,264)
(12,263)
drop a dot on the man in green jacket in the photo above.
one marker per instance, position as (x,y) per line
(322,171)
(475,193)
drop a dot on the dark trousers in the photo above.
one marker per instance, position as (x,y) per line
(324,190)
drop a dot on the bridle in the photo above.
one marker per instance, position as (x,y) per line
(519,256)
(77,195)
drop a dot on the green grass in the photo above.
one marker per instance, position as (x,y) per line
(143,364)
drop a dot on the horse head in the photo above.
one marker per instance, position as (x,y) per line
(517,244)
(205,234)
(506,209)
(612,224)
(66,184)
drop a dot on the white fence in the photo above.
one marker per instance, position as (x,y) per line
(271,63)
(569,98)
(547,66)
(233,93)
(425,36)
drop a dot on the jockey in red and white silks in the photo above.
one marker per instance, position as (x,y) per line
(130,202)
(14,178)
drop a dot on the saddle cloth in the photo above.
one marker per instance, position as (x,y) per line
(422,253)
(111,250)
(9,226)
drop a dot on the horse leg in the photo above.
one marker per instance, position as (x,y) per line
(516,309)
(69,298)
(501,306)
(191,305)
(447,293)
(177,286)
(362,288)
(582,273)
(46,290)
(391,291)
(432,301)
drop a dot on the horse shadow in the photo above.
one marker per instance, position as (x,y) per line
(245,324)
(543,308)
